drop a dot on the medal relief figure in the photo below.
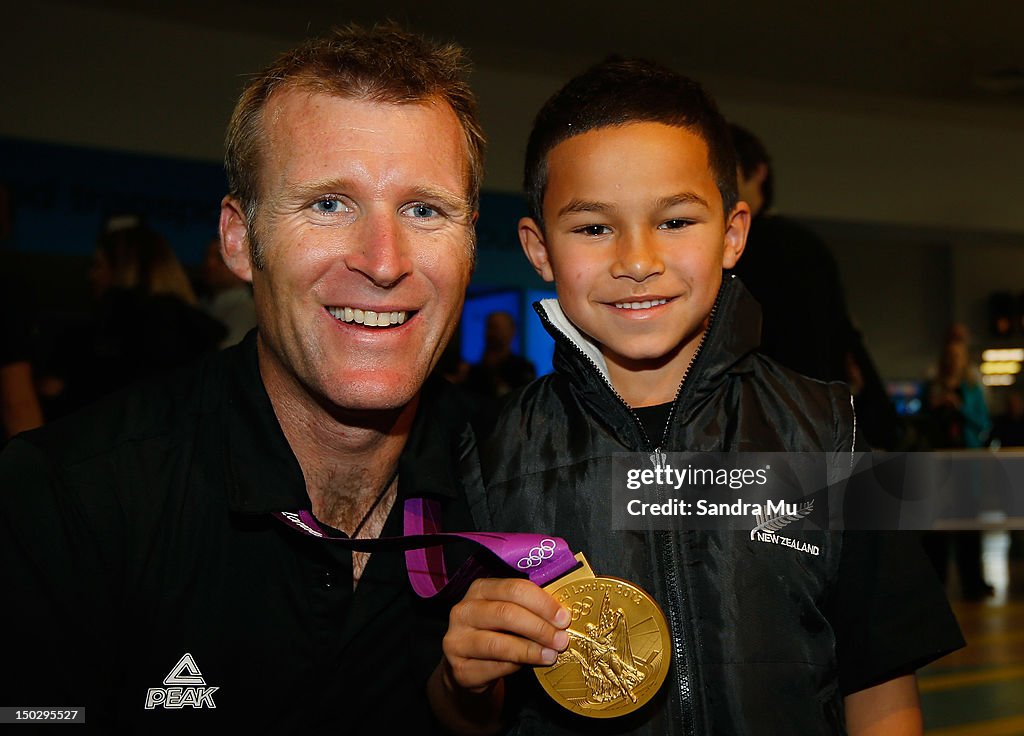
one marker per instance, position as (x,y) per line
(605,658)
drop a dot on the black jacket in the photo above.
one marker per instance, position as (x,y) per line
(753,624)
(141,530)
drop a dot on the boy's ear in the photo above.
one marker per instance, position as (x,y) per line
(234,238)
(531,237)
(736,228)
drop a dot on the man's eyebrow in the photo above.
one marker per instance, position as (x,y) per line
(683,198)
(583,205)
(307,189)
(451,201)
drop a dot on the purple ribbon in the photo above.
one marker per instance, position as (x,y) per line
(539,557)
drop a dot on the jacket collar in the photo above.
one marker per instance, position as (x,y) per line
(263,475)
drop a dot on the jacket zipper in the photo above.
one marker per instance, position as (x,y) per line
(670,566)
(663,548)
(689,366)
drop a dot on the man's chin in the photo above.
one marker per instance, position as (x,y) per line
(373,395)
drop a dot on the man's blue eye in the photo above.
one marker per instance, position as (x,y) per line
(422,210)
(327,206)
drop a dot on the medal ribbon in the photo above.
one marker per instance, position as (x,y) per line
(540,558)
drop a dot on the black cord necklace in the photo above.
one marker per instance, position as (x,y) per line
(373,507)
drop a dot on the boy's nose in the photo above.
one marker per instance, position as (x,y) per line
(380,251)
(637,257)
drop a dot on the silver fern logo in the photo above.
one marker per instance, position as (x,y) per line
(770,522)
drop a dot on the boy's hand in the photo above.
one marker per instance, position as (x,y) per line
(500,625)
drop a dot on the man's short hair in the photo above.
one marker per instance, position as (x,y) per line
(751,153)
(383,64)
(617,92)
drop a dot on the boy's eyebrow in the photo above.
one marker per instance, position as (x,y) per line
(683,198)
(583,205)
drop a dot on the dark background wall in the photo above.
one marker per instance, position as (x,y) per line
(885,136)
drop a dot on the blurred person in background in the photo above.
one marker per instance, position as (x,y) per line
(499,372)
(19,404)
(805,322)
(146,317)
(956,417)
(228,299)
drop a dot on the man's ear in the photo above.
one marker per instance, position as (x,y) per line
(736,228)
(531,237)
(234,238)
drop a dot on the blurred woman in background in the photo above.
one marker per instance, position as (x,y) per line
(957,417)
(146,318)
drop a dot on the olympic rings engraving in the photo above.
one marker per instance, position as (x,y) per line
(581,608)
(544,551)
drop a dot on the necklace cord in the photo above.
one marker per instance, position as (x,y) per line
(373,507)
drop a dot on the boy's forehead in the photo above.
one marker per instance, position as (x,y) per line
(637,132)
(610,158)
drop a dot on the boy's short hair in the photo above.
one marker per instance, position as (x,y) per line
(620,91)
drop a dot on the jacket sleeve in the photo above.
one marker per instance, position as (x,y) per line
(888,611)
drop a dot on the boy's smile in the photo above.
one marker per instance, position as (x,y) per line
(635,240)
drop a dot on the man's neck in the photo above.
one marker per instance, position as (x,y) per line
(348,459)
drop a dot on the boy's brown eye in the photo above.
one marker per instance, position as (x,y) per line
(675,224)
(593,230)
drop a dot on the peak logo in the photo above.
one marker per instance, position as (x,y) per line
(186,687)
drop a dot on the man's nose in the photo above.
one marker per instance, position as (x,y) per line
(637,256)
(381,253)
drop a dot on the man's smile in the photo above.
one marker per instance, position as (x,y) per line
(368,317)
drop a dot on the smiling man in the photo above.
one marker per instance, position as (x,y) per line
(151,572)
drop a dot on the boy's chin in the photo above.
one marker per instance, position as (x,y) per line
(644,360)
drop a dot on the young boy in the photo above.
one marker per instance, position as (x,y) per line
(634,215)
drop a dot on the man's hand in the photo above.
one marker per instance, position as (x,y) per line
(500,625)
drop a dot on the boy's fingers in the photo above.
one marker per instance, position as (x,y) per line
(500,625)
(493,646)
(522,593)
(478,658)
(507,617)
(518,609)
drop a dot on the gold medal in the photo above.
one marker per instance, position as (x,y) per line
(619,649)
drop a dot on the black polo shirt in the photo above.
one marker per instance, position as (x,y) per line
(146,579)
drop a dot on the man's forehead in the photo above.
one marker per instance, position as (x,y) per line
(291,105)
(300,114)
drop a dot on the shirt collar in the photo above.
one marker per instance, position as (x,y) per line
(263,474)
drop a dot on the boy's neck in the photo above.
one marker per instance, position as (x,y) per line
(645,383)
